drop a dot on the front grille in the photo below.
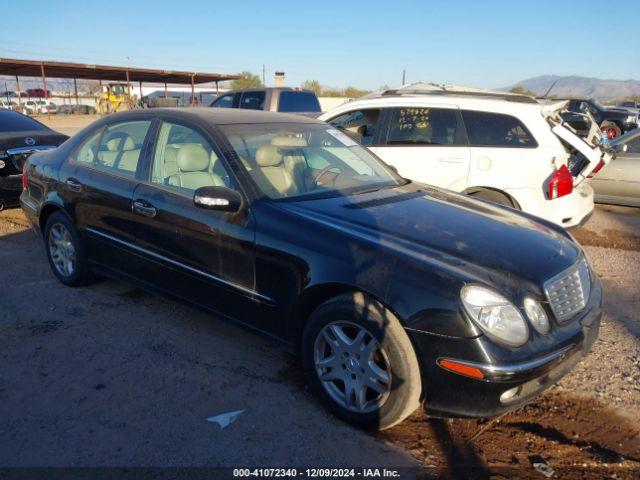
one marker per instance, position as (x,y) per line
(568,293)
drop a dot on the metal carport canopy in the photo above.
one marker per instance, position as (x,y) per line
(34,68)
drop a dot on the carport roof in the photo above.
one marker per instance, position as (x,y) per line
(33,68)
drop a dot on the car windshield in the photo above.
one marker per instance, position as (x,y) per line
(306,160)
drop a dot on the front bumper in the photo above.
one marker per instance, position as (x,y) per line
(505,385)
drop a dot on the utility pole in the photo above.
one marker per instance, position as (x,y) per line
(263,75)
(403,76)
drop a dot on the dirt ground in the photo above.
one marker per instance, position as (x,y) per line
(587,426)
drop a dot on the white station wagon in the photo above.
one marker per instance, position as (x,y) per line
(505,148)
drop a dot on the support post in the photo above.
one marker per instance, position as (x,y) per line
(44,86)
(130,102)
(193,97)
(165,89)
(75,90)
(18,87)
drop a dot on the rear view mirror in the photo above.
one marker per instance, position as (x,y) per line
(222,199)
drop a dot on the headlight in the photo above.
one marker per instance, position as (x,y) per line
(537,315)
(632,119)
(495,315)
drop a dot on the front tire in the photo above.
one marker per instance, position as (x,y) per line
(66,251)
(360,362)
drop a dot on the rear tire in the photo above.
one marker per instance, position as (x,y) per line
(373,382)
(493,196)
(66,251)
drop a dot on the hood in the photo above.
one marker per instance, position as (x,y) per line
(444,227)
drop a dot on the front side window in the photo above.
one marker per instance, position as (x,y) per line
(298,102)
(362,125)
(306,160)
(184,160)
(486,129)
(425,126)
(225,101)
(252,101)
(120,147)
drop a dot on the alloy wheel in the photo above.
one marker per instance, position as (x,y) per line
(352,366)
(62,250)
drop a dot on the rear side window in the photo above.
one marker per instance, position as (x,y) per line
(425,126)
(11,121)
(120,147)
(252,101)
(87,151)
(362,125)
(486,129)
(298,102)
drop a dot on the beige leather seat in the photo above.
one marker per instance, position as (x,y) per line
(121,153)
(194,168)
(273,178)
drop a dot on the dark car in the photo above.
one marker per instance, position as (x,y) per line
(612,121)
(393,293)
(277,99)
(20,136)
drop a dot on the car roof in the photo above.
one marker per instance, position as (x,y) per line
(219,116)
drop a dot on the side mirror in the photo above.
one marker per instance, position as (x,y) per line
(222,199)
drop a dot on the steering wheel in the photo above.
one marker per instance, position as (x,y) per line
(324,171)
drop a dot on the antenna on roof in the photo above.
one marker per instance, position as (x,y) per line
(544,97)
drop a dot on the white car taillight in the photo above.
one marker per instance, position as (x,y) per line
(561,183)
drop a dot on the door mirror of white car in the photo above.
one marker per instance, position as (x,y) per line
(222,199)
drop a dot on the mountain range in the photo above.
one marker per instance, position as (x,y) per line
(576,86)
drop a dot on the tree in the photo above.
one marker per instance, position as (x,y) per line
(353,92)
(521,91)
(248,80)
(313,85)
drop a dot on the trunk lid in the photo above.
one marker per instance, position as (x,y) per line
(588,151)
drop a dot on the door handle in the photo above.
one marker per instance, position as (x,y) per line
(144,208)
(451,160)
(73,184)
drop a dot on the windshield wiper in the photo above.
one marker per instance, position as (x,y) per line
(373,189)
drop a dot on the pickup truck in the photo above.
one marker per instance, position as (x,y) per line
(276,99)
(612,121)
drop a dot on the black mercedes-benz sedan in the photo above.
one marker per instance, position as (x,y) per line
(20,136)
(393,293)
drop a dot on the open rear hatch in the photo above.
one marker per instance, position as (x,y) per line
(587,154)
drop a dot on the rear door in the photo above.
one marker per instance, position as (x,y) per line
(502,148)
(100,182)
(427,144)
(203,255)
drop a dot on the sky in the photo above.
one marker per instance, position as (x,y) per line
(487,44)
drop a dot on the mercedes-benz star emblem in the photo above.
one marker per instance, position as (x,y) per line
(29,141)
